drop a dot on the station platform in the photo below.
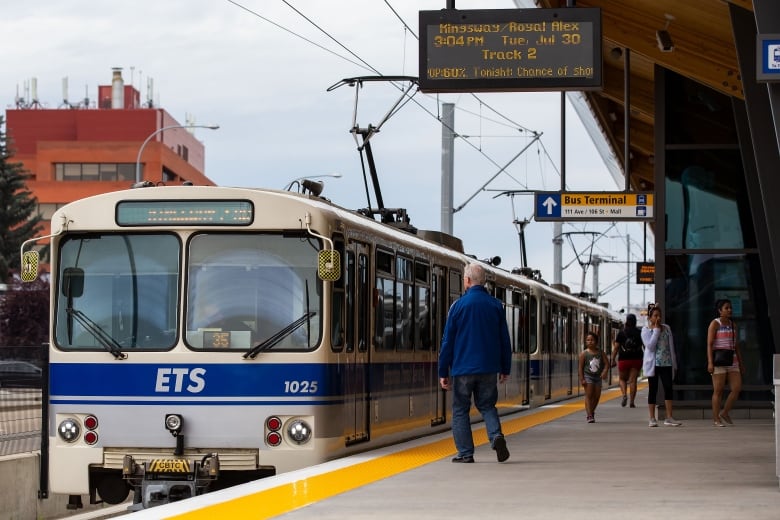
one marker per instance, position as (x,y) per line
(560,467)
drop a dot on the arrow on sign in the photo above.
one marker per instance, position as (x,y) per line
(549,203)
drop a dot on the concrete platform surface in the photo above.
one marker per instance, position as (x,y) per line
(617,467)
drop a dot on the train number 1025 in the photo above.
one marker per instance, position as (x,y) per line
(300,387)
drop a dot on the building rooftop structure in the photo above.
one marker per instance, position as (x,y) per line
(80,150)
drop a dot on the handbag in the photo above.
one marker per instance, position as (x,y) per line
(722,357)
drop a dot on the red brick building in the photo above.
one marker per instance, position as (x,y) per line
(74,153)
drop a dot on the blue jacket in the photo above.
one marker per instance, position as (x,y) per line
(476,336)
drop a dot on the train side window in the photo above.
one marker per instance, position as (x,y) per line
(456,285)
(438,304)
(517,327)
(422,306)
(347,324)
(340,313)
(364,303)
(384,262)
(404,325)
(384,319)
(533,313)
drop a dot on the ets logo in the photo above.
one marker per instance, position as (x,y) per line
(177,380)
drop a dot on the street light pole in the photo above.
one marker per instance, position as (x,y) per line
(170,127)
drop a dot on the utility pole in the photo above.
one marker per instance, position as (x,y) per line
(447,166)
(628,272)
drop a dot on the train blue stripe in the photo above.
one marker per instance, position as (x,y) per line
(226,380)
(122,379)
(194,403)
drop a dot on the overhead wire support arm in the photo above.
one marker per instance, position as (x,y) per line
(357,82)
(537,136)
(364,147)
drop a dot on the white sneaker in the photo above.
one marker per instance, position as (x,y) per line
(669,421)
(653,423)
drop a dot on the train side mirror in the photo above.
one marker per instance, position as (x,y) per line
(329,265)
(73,282)
(29,266)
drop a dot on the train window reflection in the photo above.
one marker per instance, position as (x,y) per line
(252,286)
(138,274)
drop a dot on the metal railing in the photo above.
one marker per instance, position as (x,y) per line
(22,373)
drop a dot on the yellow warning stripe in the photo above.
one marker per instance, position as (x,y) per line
(287,497)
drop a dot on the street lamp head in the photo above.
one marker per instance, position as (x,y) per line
(149,138)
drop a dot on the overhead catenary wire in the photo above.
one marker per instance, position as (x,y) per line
(473,142)
(367,66)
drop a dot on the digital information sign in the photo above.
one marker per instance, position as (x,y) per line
(510,50)
(593,206)
(645,273)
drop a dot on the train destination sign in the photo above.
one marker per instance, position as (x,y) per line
(593,206)
(510,50)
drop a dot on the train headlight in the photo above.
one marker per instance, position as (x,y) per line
(69,430)
(173,423)
(299,431)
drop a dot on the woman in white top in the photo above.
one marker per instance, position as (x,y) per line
(659,363)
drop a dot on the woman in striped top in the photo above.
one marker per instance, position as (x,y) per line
(722,334)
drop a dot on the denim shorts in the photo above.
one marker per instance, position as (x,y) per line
(593,380)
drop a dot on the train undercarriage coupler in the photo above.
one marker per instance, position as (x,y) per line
(161,481)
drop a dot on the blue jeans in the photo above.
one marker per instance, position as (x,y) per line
(485,391)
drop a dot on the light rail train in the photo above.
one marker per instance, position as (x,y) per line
(208,336)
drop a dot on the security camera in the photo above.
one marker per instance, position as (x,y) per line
(665,42)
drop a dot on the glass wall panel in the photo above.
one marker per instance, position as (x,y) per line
(706,201)
(693,284)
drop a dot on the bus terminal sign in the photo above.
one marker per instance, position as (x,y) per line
(506,50)
(593,206)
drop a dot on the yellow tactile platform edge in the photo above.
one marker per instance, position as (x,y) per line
(287,497)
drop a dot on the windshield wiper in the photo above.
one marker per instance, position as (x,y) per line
(279,336)
(104,338)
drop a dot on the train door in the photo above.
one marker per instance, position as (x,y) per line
(573,349)
(566,350)
(546,345)
(517,318)
(356,362)
(524,343)
(439,307)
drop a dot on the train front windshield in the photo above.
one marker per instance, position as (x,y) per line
(249,289)
(121,292)
(118,291)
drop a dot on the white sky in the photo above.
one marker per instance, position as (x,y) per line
(265,85)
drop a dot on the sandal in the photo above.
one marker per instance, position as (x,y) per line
(726,418)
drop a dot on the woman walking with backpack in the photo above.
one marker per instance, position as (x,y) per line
(628,351)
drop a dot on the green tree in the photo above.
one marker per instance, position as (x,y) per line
(18,218)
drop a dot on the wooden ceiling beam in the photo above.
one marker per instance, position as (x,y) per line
(696,55)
